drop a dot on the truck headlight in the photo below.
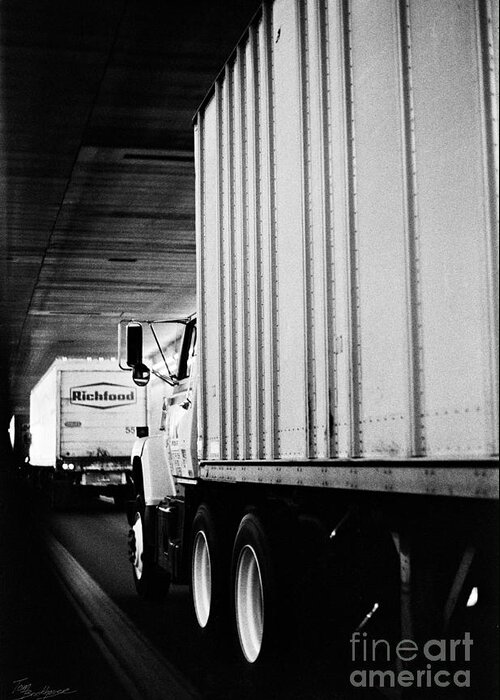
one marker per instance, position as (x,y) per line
(66,465)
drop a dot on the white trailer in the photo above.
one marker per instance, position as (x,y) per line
(338,404)
(83,419)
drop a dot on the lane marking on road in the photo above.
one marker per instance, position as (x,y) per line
(141,669)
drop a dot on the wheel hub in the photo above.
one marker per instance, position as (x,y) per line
(201,579)
(249,595)
(137,546)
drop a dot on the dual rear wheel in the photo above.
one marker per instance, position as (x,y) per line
(209,587)
(252,585)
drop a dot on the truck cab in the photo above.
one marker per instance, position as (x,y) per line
(163,462)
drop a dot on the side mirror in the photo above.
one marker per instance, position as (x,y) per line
(141,374)
(134,344)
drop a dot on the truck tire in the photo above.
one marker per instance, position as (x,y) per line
(151,582)
(261,588)
(209,568)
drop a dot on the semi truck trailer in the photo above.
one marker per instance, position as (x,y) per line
(332,414)
(83,418)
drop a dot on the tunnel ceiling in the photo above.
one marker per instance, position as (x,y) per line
(96,169)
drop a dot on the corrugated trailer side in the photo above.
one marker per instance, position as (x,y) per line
(343,381)
(347,235)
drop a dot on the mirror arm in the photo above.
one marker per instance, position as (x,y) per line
(163,356)
(170,381)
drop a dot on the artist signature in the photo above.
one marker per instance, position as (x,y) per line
(22,688)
